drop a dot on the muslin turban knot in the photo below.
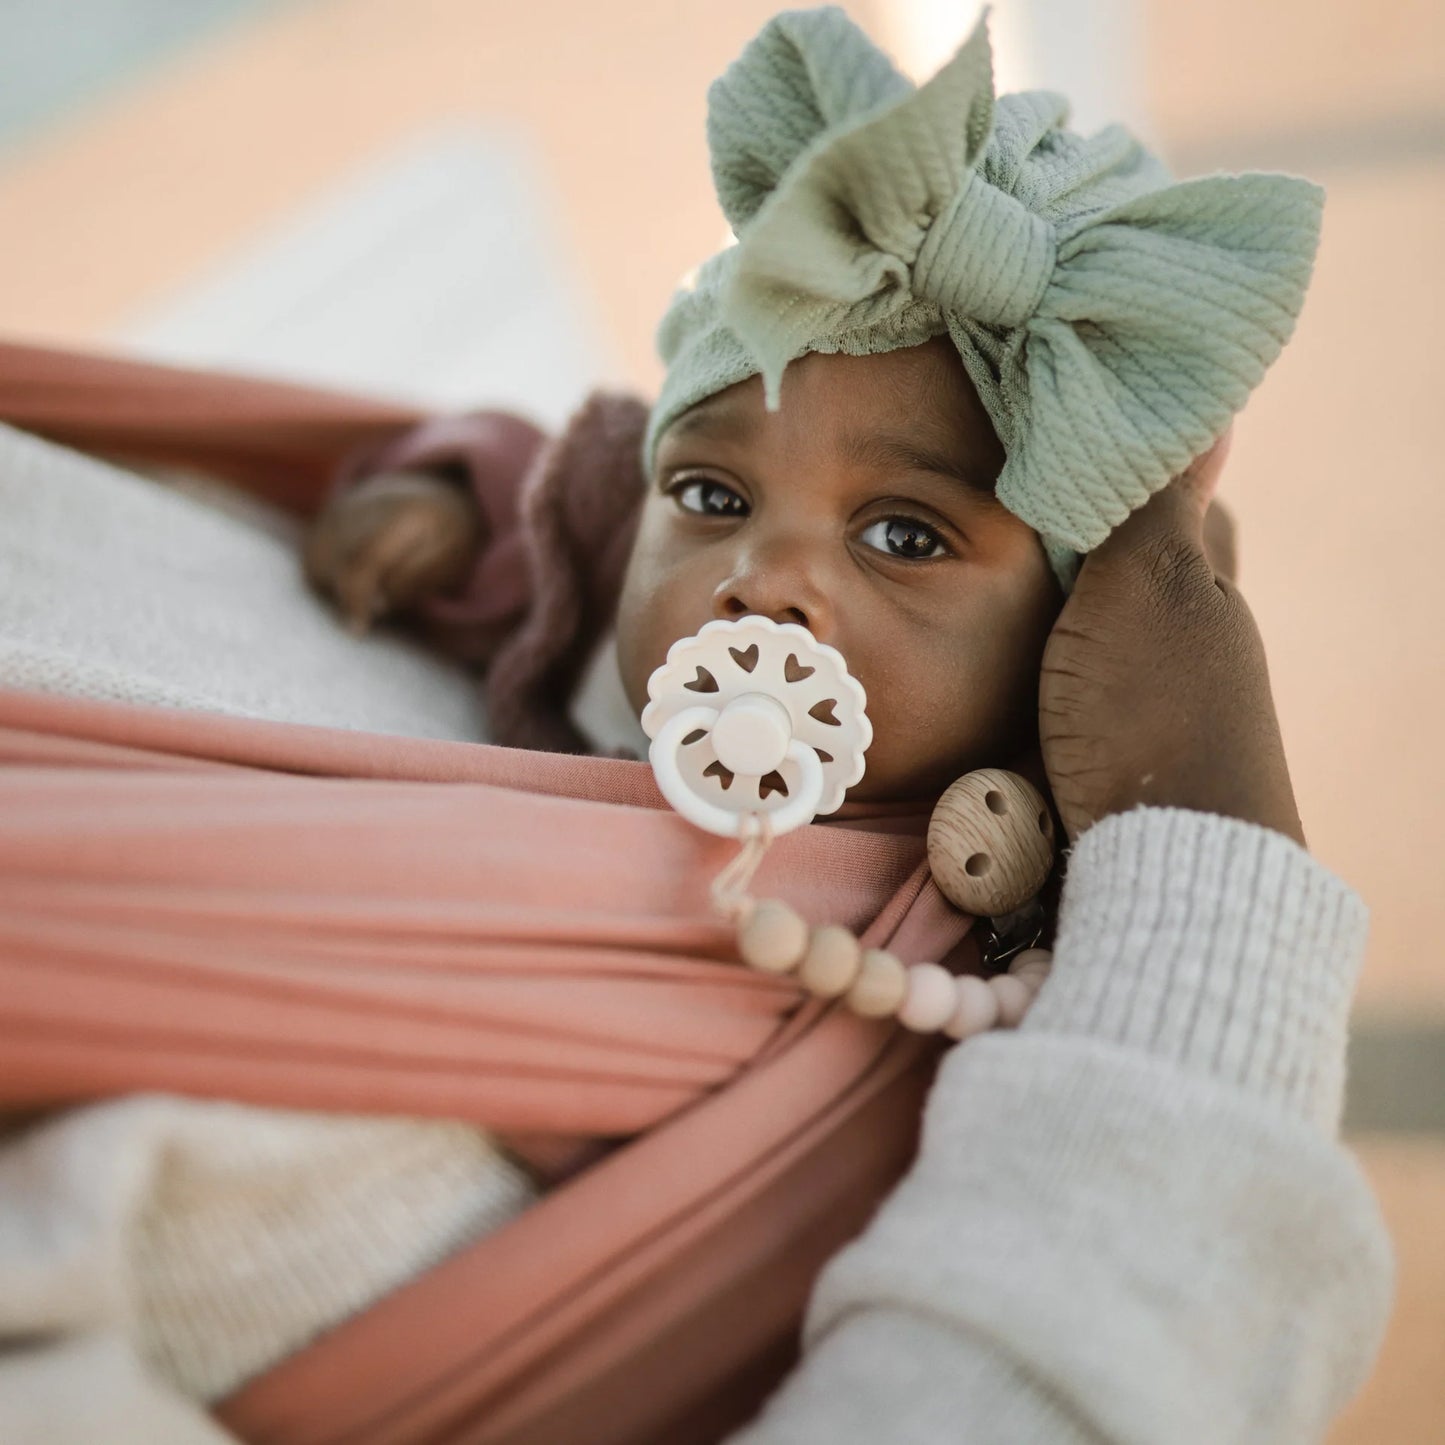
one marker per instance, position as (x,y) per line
(1113,321)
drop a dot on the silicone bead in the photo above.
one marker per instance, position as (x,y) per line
(879,989)
(1031,958)
(831,963)
(1032,967)
(975,1007)
(1014,997)
(930,1000)
(990,842)
(772,938)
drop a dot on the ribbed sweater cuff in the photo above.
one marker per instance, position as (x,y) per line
(1214,944)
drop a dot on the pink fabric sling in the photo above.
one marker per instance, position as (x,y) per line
(309,918)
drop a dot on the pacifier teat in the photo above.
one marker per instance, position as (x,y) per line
(755,719)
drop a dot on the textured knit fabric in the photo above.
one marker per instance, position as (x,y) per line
(216,1239)
(155,1252)
(117,589)
(1112,322)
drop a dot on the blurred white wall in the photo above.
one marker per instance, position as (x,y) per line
(1091,50)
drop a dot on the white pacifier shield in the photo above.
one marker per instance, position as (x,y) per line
(755,717)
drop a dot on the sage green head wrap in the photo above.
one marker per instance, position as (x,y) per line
(1112,321)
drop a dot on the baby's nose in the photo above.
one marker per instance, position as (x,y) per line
(783,588)
(732,607)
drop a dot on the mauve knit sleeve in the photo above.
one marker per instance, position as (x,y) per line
(491,453)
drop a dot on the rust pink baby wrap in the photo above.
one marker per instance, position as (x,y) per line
(319,919)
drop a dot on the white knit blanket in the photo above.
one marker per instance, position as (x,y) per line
(115,587)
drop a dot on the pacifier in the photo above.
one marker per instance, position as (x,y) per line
(755,723)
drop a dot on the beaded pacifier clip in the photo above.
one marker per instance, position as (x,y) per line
(757,728)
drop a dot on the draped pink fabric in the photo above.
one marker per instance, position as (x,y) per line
(297,916)
(280,441)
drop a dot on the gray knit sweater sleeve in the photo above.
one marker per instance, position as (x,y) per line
(1131,1220)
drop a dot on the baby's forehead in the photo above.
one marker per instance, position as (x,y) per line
(884,413)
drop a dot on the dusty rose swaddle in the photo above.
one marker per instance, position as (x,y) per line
(303,917)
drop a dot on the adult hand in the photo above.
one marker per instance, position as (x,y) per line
(1154,687)
(390,542)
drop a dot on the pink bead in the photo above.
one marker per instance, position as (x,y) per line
(929,1002)
(975,1007)
(1014,997)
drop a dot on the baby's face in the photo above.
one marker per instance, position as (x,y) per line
(864,510)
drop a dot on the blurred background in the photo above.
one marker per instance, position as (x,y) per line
(468,202)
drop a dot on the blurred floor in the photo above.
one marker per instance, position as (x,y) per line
(115,207)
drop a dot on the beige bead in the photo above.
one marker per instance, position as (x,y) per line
(1032,967)
(1032,979)
(929,1002)
(1014,997)
(772,938)
(975,1007)
(882,982)
(991,842)
(1031,958)
(831,963)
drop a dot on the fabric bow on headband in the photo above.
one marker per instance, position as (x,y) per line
(1112,321)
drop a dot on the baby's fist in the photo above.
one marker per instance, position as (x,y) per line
(391,542)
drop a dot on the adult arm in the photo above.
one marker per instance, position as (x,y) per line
(1132,1220)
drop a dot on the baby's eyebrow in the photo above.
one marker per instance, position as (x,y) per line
(718,422)
(889,452)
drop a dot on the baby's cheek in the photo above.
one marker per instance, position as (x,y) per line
(661,602)
(638,643)
(931,710)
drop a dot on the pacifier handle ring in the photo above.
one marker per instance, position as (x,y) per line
(721,821)
(801,809)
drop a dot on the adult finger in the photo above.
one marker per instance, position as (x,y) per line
(1174,517)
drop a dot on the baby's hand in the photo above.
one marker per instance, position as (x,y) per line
(390,542)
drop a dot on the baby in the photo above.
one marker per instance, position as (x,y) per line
(954,345)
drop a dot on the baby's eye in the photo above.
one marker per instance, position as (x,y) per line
(904,537)
(708,498)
